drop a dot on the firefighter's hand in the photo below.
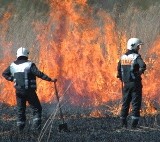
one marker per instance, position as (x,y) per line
(54,80)
(10,78)
(119,77)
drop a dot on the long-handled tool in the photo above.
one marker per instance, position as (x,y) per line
(63,126)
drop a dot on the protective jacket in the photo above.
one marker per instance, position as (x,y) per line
(23,73)
(130,67)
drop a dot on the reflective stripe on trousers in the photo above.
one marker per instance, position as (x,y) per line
(19,123)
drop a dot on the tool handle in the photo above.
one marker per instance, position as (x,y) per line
(56,91)
(60,110)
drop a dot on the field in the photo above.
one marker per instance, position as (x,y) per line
(82,127)
(79,42)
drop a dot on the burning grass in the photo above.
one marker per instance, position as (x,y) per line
(78,42)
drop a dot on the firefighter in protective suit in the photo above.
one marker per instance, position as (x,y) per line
(23,73)
(130,68)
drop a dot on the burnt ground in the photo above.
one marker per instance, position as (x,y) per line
(82,127)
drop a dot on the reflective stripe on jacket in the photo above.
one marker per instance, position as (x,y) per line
(21,75)
(127,67)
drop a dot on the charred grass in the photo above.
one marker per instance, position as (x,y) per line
(82,127)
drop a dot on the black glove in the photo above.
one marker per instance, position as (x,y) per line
(10,78)
(119,77)
(54,80)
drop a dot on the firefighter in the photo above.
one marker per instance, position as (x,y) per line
(23,73)
(130,68)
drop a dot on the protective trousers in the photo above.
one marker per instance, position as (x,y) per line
(132,93)
(22,97)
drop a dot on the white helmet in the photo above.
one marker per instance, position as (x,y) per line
(133,43)
(22,52)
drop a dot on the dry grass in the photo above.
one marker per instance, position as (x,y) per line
(141,23)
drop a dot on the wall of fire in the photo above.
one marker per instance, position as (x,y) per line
(79,42)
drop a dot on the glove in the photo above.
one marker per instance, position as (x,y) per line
(54,80)
(10,78)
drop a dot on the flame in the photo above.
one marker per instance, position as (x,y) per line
(151,81)
(80,46)
(80,51)
(149,108)
(96,114)
(6,87)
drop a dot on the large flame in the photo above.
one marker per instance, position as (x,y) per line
(75,47)
(79,46)
(151,77)
(6,87)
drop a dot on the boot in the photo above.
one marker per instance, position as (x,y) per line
(20,125)
(134,123)
(123,122)
(36,124)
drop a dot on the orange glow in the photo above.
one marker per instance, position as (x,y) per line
(96,114)
(7,90)
(80,51)
(151,80)
(149,108)
(81,47)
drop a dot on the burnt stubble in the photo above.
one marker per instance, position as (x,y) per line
(82,127)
